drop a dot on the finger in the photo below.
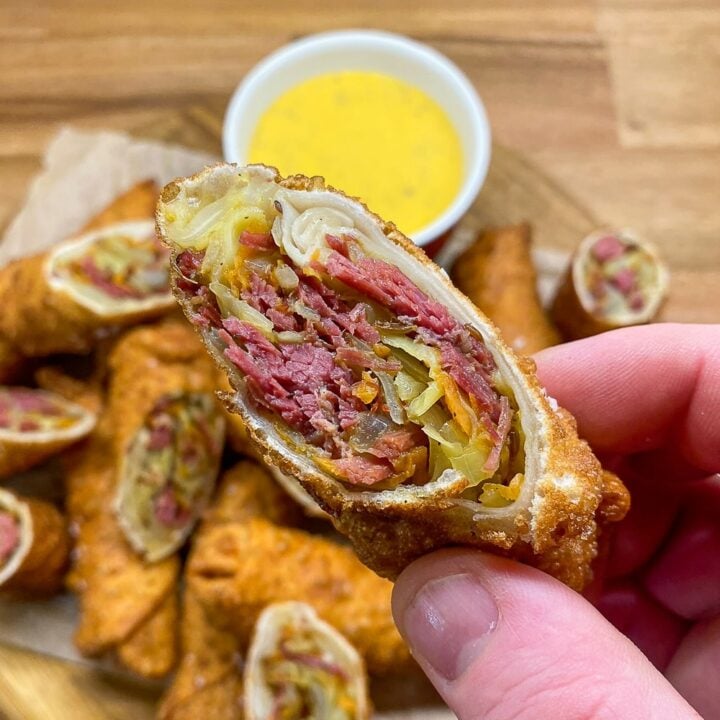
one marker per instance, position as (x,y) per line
(685,577)
(633,390)
(503,641)
(693,670)
(636,539)
(655,630)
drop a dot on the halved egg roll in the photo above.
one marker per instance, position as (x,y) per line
(67,298)
(497,274)
(209,677)
(34,546)
(362,371)
(37,424)
(169,432)
(123,599)
(299,667)
(615,279)
(237,569)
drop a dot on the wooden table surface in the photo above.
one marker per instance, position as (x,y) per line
(616,101)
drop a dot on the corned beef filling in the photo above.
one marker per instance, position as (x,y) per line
(377,377)
(26,410)
(9,536)
(305,680)
(618,273)
(119,267)
(171,466)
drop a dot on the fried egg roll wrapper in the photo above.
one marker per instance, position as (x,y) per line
(87,392)
(118,590)
(614,280)
(299,666)
(360,370)
(151,651)
(34,546)
(497,274)
(11,362)
(45,313)
(137,203)
(237,569)
(162,379)
(209,675)
(37,424)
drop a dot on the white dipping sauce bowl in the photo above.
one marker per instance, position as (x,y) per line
(395,55)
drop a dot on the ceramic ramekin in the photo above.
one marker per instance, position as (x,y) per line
(395,55)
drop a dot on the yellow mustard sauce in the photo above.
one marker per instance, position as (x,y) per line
(371,135)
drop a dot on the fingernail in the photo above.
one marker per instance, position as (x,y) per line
(448,623)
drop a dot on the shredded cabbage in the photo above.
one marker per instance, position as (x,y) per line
(230,305)
(408,388)
(427,398)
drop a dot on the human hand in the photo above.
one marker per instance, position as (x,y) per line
(503,641)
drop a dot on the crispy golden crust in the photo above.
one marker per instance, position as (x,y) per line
(87,393)
(138,203)
(247,490)
(567,310)
(238,569)
(210,672)
(151,651)
(118,591)
(43,568)
(148,363)
(11,362)
(209,677)
(552,525)
(38,320)
(497,274)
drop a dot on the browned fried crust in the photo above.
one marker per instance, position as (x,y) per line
(210,671)
(148,363)
(497,274)
(246,491)
(87,393)
(151,651)
(558,533)
(11,362)
(237,569)
(42,572)
(36,319)
(118,590)
(138,203)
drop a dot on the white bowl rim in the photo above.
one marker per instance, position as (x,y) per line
(477,164)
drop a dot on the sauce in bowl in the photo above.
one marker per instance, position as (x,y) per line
(370,134)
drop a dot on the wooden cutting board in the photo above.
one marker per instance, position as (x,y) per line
(35,687)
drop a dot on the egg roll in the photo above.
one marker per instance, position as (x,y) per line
(34,546)
(299,666)
(121,595)
(497,274)
(169,432)
(237,569)
(66,299)
(209,676)
(614,280)
(11,363)
(37,424)
(360,370)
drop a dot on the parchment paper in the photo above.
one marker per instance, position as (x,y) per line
(82,173)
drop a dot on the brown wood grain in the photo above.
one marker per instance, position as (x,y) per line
(604,111)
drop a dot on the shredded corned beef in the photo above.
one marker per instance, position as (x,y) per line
(360,470)
(385,284)
(168,512)
(309,384)
(259,241)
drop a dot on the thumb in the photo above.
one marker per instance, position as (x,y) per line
(503,641)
